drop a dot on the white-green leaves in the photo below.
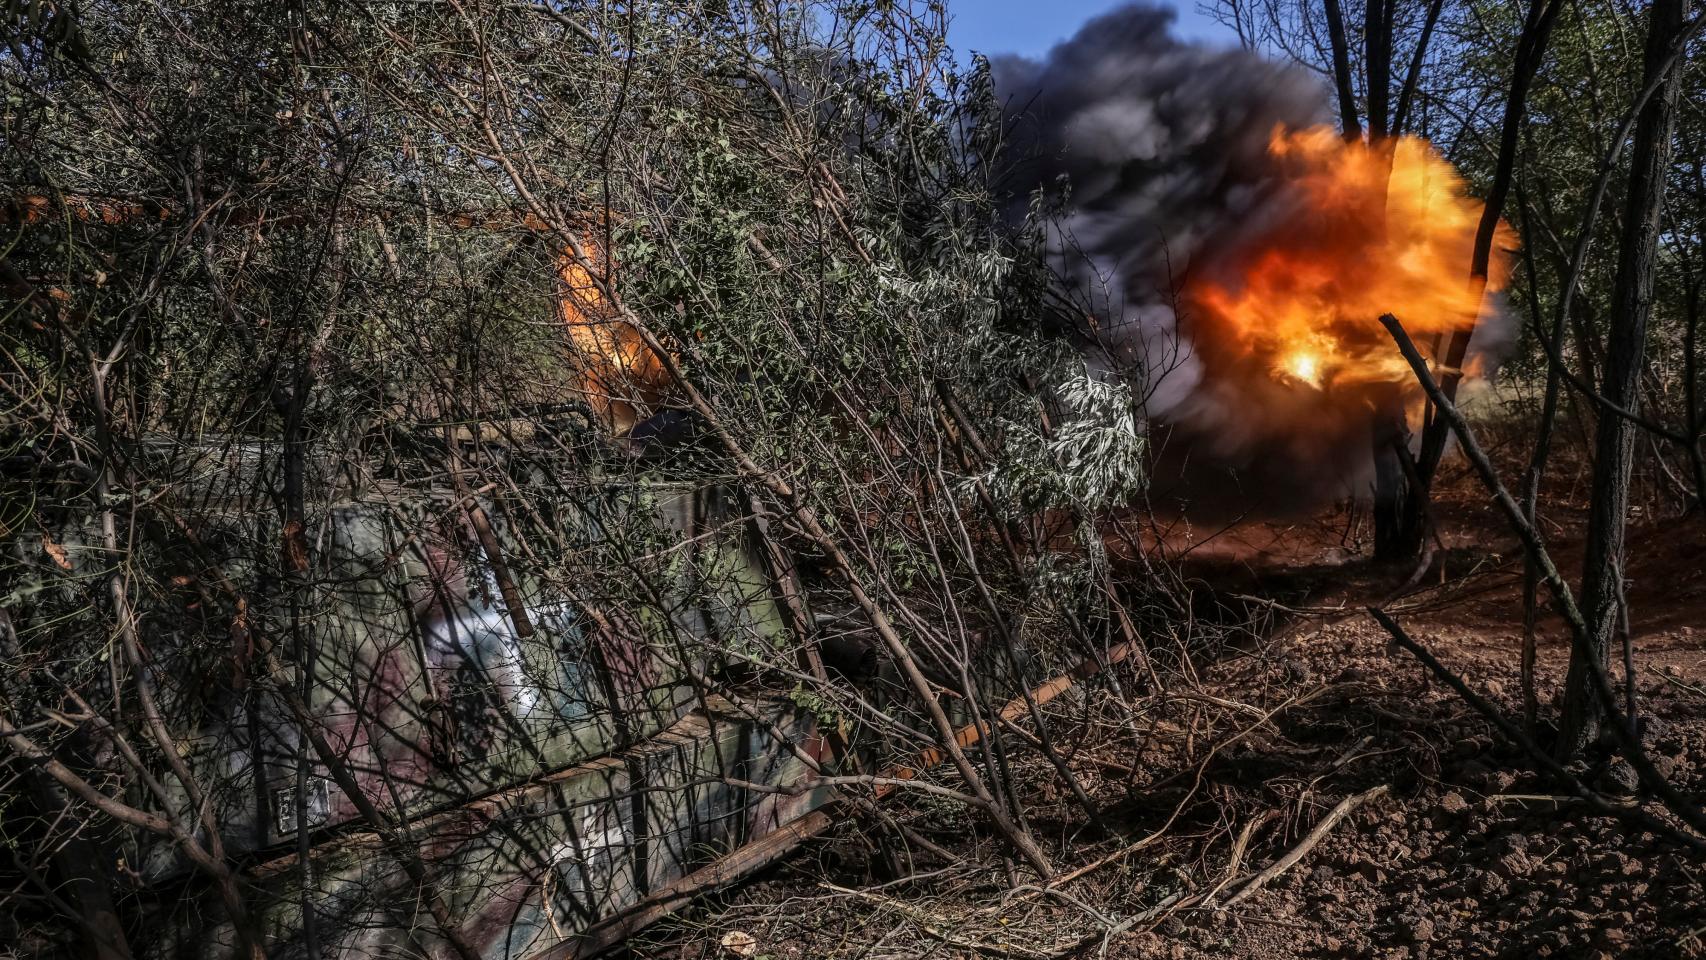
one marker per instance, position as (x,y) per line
(1090,459)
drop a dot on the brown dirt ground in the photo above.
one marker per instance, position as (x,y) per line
(1469,855)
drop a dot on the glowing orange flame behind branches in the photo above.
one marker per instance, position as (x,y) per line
(1361,230)
(620,377)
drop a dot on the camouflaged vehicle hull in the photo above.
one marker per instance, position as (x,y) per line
(547,774)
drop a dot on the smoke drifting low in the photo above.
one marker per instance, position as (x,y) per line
(1231,253)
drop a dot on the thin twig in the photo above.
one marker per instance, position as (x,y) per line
(1303,847)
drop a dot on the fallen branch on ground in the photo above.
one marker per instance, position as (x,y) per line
(774,846)
(1307,844)
(936,926)
(1235,859)
(1515,735)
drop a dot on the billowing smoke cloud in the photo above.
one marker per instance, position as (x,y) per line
(1159,155)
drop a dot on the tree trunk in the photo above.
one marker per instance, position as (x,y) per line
(1342,72)
(1632,304)
(1377,60)
(1399,527)
(1530,50)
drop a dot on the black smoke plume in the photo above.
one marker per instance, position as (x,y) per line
(1154,154)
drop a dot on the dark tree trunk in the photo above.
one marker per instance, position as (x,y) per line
(1399,527)
(1632,304)
(1530,50)
(1342,71)
(1377,59)
(1400,512)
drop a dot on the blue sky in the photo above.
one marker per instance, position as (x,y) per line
(1030,27)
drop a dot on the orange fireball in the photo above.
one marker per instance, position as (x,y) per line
(613,368)
(1362,230)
